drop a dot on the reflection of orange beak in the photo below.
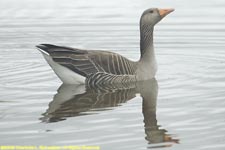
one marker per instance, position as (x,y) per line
(164,12)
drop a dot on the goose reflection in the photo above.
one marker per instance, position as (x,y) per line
(77,100)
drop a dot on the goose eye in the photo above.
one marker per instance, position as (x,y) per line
(151,11)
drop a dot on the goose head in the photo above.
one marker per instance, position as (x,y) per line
(152,16)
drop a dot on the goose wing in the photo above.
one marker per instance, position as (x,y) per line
(87,62)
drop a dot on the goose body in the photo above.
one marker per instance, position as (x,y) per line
(76,66)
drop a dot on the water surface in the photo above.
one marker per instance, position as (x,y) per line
(182,109)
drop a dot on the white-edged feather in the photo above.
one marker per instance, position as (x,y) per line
(43,51)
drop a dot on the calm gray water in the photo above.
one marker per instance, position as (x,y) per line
(182,109)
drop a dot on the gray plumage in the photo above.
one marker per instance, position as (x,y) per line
(103,67)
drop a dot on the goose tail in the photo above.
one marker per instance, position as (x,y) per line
(66,75)
(45,48)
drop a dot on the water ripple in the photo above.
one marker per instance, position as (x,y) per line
(189,44)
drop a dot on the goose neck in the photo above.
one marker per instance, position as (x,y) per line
(146,40)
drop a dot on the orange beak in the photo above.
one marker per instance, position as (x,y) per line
(164,12)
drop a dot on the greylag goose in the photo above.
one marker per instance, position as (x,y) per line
(76,66)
